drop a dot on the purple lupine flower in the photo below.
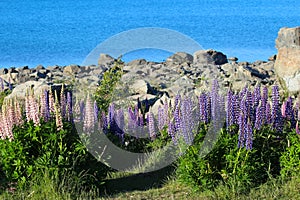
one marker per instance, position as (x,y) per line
(289,112)
(249,136)
(258,118)
(89,120)
(111,118)
(230,109)
(177,117)
(151,126)
(236,108)
(208,109)
(275,113)
(264,101)
(131,121)
(187,120)
(242,123)
(81,109)
(203,108)
(249,106)
(256,96)
(268,113)
(176,101)
(96,111)
(172,133)
(69,107)
(104,123)
(120,120)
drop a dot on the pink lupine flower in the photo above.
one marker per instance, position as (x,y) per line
(18,113)
(51,102)
(283,109)
(89,117)
(58,117)
(7,126)
(63,102)
(32,112)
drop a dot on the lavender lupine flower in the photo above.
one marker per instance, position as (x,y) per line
(111,115)
(81,109)
(264,101)
(96,111)
(58,117)
(203,108)
(276,114)
(236,107)
(69,107)
(297,128)
(120,122)
(151,126)
(258,118)
(171,132)
(230,109)
(131,120)
(187,120)
(242,123)
(249,136)
(177,117)
(177,101)
(249,106)
(89,120)
(104,123)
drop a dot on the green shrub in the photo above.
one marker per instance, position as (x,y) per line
(238,168)
(104,92)
(42,148)
(290,159)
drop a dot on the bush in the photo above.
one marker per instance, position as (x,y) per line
(228,164)
(42,148)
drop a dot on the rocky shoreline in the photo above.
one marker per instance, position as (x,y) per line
(181,72)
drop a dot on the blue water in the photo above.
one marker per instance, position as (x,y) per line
(63,32)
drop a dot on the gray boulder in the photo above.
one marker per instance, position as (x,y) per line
(209,57)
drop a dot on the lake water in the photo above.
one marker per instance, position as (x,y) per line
(63,32)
